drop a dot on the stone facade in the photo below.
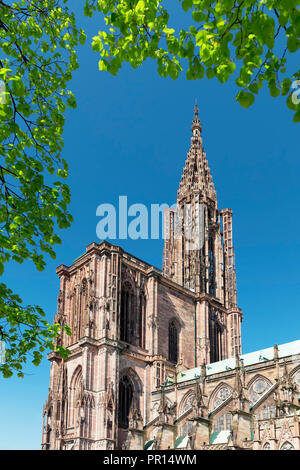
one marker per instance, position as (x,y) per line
(155,356)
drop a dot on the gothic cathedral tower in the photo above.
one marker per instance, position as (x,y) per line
(133,327)
(199,255)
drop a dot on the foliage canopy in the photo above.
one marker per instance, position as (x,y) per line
(37,44)
(249,38)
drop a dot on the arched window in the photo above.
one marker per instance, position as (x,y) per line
(132,316)
(48,428)
(141,320)
(216,334)
(287,446)
(127,307)
(58,411)
(76,395)
(125,399)
(173,342)
(82,307)
(222,393)
(258,388)
(297,379)
(187,402)
(211,271)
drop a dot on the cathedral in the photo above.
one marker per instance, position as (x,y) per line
(155,357)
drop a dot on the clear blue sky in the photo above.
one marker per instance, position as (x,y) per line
(129,136)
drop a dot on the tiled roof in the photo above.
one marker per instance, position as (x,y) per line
(256,357)
(181,442)
(186,412)
(219,437)
(149,445)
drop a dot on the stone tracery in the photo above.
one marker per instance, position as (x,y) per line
(220,395)
(257,388)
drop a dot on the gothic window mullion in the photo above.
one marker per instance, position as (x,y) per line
(141,314)
(125,400)
(122,315)
(130,325)
(127,326)
(173,343)
(140,309)
(211,257)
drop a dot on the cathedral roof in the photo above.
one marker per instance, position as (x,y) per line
(219,437)
(256,357)
(181,442)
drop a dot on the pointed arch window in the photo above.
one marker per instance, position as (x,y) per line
(287,446)
(258,388)
(173,342)
(211,255)
(132,316)
(48,428)
(76,395)
(127,306)
(215,336)
(141,320)
(187,403)
(221,395)
(58,411)
(125,399)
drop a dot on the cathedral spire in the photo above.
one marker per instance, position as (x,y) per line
(197,256)
(196,178)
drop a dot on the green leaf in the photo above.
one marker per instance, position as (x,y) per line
(198,16)
(82,38)
(245,99)
(103,65)
(254,88)
(285,86)
(140,7)
(97,44)
(210,73)
(293,44)
(187,4)
(18,87)
(88,11)
(296,117)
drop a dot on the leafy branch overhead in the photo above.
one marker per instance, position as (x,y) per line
(251,39)
(38,39)
(37,44)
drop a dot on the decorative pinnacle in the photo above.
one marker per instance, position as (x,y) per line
(196,110)
(196,121)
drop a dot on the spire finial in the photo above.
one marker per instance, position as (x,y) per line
(196,121)
(196,110)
